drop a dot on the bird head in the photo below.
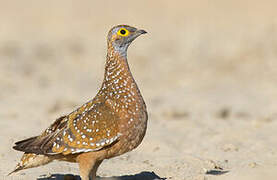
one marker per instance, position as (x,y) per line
(121,36)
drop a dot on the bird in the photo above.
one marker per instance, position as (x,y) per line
(110,124)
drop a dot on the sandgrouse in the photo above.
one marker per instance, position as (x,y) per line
(112,123)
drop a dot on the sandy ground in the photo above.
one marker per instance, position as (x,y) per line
(207,71)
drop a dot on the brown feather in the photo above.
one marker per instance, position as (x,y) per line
(41,144)
(22,145)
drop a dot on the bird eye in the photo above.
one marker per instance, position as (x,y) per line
(123,32)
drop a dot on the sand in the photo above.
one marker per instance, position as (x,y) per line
(207,71)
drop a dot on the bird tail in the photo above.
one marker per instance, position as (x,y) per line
(25,145)
(30,160)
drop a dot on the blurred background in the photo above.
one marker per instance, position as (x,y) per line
(207,71)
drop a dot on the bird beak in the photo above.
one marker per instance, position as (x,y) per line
(141,31)
(136,34)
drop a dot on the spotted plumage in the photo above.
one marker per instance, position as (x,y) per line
(112,123)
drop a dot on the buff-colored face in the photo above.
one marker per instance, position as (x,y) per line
(121,36)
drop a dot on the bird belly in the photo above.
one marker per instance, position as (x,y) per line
(132,136)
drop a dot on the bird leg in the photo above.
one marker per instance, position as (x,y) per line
(88,166)
(94,170)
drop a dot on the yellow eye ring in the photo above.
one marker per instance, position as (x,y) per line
(123,32)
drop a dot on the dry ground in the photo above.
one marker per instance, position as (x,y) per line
(207,71)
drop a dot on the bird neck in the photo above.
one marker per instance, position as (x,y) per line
(118,79)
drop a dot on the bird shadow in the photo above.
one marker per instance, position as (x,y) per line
(140,176)
(216,172)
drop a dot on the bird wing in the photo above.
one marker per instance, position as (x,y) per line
(90,128)
(35,144)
